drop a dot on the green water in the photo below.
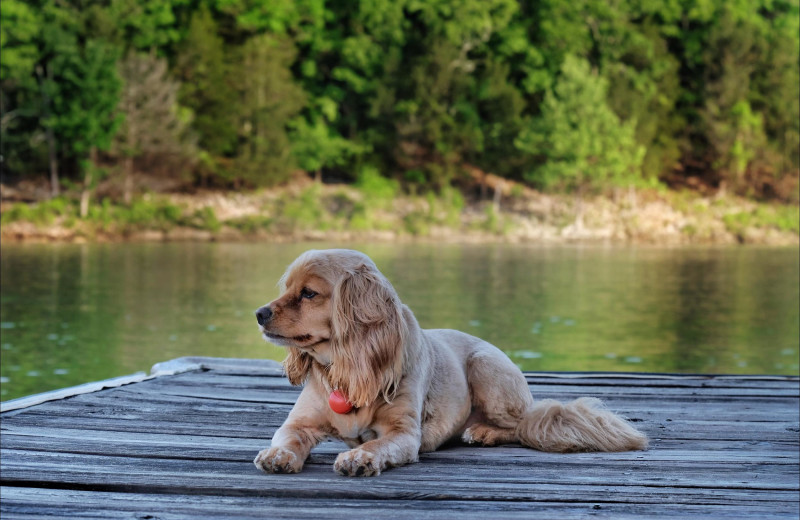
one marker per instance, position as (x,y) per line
(78,313)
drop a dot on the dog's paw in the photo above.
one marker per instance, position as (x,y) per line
(278,460)
(357,463)
(487,435)
(476,434)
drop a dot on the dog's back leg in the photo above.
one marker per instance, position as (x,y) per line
(500,396)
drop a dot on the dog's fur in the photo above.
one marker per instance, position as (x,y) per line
(413,390)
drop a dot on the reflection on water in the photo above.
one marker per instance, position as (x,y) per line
(77,313)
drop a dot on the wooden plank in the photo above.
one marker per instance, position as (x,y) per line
(758,410)
(233,449)
(33,400)
(31,503)
(263,424)
(478,477)
(265,368)
(181,446)
(734,386)
(183,418)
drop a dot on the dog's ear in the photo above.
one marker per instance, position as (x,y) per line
(297,365)
(368,332)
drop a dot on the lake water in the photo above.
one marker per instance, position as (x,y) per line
(77,313)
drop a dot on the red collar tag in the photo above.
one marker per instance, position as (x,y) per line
(339,403)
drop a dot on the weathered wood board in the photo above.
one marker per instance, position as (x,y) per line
(180,443)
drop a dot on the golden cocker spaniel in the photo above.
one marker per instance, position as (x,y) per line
(399,390)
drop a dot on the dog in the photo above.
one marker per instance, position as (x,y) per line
(391,390)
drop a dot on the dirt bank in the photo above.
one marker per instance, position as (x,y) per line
(504,212)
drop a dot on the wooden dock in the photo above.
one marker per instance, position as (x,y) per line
(179,443)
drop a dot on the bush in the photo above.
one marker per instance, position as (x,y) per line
(251,223)
(783,218)
(203,218)
(303,212)
(376,188)
(42,213)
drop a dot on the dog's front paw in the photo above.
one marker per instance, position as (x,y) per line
(357,463)
(278,460)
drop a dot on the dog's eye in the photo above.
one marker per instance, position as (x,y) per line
(307,293)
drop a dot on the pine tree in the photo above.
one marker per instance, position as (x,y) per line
(152,124)
(268,99)
(206,89)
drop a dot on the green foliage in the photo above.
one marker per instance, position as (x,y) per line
(559,94)
(152,120)
(41,214)
(377,195)
(579,138)
(783,218)
(143,24)
(84,86)
(376,188)
(316,146)
(493,222)
(205,73)
(18,31)
(269,99)
(302,212)
(251,224)
(432,210)
(203,218)
(144,214)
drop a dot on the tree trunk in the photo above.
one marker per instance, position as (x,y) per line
(87,182)
(55,189)
(579,208)
(132,138)
(498,192)
(127,190)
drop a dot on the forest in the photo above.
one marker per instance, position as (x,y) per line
(561,96)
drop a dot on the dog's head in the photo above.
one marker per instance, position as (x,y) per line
(337,299)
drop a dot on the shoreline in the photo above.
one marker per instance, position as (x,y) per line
(28,233)
(308,211)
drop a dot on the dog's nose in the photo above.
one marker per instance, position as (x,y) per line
(263,314)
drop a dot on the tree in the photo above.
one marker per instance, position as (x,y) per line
(79,82)
(206,89)
(774,86)
(20,25)
(18,31)
(420,90)
(147,25)
(578,138)
(729,60)
(85,97)
(268,99)
(316,145)
(436,125)
(152,121)
(444,90)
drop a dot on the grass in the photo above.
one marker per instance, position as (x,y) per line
(251,224)
(373,203)
(153,213)
(783,218)
(41,214)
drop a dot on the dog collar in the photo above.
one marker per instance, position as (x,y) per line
(339,403)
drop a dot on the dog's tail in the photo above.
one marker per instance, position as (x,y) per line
(580,425)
